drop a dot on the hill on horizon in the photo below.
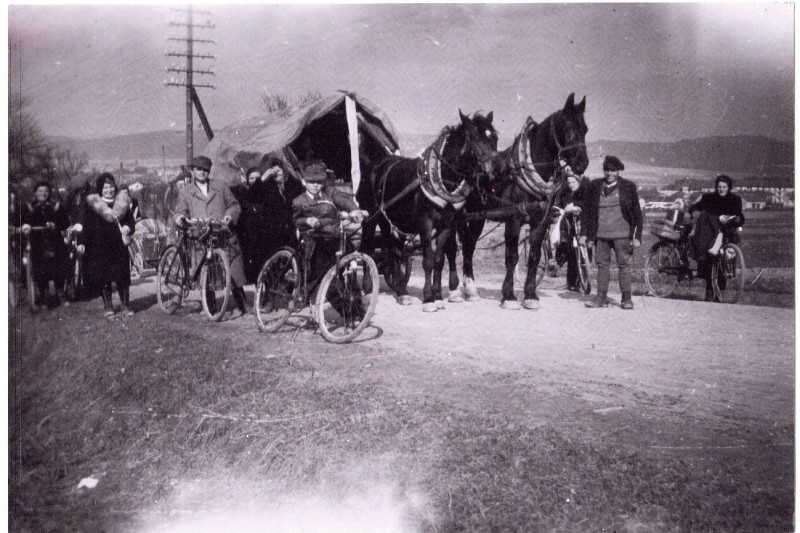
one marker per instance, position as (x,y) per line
(742,153)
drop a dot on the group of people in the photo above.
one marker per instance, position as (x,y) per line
(267,210)
(612,220)
(106,223)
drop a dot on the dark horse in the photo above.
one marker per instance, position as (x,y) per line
(422,197)
(524,189)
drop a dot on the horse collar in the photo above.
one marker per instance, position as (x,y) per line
(429,171)
(527,178)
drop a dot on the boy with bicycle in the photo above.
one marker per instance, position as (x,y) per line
(318,209)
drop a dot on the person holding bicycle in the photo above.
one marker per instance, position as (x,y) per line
(318,209)
(48,251)
(107,229)
(720,215)
(209,199)
(612,220)
(571,202)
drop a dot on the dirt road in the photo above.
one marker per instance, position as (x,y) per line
(702,367)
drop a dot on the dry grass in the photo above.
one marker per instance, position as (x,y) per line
(182,420)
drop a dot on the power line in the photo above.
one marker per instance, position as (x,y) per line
(192,98)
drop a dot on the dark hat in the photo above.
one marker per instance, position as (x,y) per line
(726,179)
(612,163)
(44,183)
(202,162)
(102,179)
(314,171)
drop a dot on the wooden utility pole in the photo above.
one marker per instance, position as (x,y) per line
(192,98)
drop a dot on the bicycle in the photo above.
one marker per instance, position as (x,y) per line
(551,265)
(667,264)
(136,259)
(346,296)
(27,264)
(73,288)
(205,239)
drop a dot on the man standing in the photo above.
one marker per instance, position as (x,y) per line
(612,220)
(212,199)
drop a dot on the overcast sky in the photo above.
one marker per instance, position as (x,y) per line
(650,72)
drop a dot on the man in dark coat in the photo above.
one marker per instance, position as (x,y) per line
(277,191)
(612,220)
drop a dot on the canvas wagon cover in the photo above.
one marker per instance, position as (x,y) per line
(253,141)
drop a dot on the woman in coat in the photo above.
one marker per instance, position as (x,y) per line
(720,213)
(107,229)
(48,251)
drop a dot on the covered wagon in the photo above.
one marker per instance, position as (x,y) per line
(346,131)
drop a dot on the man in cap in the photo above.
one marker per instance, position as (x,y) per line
(318,209)
(612,220)
(213,199)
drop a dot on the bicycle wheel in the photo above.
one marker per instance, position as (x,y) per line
(137,261)
(216,284)
(170,280)
(74,285)
(347,298)
(727,274)
(584,280)
(276,286)
(661,269)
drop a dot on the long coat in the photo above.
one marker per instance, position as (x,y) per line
(48,251)
(219,203)
(106,259)
(628,204)
(712,205)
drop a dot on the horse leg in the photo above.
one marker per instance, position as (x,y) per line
(426,241)
(538,229)
(469,241)
(450,251)
(513,225)
(442,239)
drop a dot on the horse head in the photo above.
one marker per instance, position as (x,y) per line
(474,143)
(560,139)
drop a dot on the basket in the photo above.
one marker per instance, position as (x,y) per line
(664,230)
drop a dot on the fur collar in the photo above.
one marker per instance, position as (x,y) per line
(121,205)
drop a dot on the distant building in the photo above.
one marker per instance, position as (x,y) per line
(755,200)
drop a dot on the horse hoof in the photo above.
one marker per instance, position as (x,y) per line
(404,300)
(471,291)
(429,307)
(439,304)
(511,305)
(455,298)
(530,304)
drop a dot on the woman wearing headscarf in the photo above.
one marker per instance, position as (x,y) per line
(107,230)
(720,214)
(48,251)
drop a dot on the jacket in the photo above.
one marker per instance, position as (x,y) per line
(219,202)
(629,204)
(326,208)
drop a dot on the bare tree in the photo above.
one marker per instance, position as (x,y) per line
(28,151)
(310,96)
(67,165)
(274,102)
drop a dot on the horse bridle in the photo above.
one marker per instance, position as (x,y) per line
(482,156)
